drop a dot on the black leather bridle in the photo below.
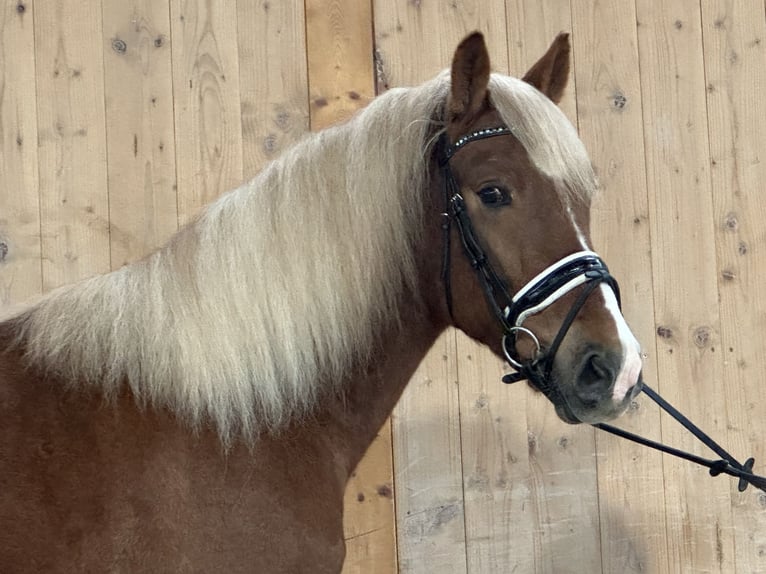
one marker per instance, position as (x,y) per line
(582,269)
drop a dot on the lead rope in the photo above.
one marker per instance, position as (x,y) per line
(726,465)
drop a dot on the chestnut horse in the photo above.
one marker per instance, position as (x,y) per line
(201,410)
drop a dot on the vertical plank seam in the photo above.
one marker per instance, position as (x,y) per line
(173,94)
(37,152)
(715,251)
(391,457)
(651,271)
(507,70)
(308,73)
(591,432)
(106,143)
(173,110)
(454,345)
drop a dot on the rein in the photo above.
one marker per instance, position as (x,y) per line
(585,269)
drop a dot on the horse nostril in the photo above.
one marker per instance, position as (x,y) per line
(596,376)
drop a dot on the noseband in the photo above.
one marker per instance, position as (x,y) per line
(583,268)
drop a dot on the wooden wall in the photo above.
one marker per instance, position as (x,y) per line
(120,118)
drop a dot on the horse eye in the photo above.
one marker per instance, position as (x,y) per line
(494,196)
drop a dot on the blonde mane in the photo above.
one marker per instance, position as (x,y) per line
(272,294)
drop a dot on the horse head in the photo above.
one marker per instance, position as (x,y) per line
(519,273)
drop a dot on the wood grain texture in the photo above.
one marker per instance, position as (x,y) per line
(689,356)
(20,273)
(71,141)
(631,497)
(273,80)
(207,104)
(139,125)
(734,33)
(339,59)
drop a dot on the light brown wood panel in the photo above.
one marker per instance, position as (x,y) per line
(20,274)
(139,126)
(734,35)
(273,81)
(207,103)
(339,59)
(341,81)
(71,141)
(689,355)
(631,497)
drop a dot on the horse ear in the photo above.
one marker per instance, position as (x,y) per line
(551,72)
(470,76)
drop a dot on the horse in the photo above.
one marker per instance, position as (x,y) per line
(202,409)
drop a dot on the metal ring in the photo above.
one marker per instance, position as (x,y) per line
(513,362)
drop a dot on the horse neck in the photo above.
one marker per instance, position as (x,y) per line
(373,391)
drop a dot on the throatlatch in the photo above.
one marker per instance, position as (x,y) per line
(585,269)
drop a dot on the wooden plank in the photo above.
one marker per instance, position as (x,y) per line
(563,467)
(273,80)
(427,464)
(341,81)
(631,497)
(339,54)
(139,126)
(734,34)
(426,421)
(20,274)
(71,141)
(206,98)
(689,357)
(439,527)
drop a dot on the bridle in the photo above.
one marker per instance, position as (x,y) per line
(582,269)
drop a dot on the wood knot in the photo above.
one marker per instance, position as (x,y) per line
(320,102)
(159,41)
(119,46)
(282,120)
(21,8)
(742,248)
(619,101)
(482,401)
(701,336)
(354,95)
(531,443)
(385,491)
(728,275)
(563,442)
(360,497)
(731,222)
(665,332)
(3,251)
(270,144)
